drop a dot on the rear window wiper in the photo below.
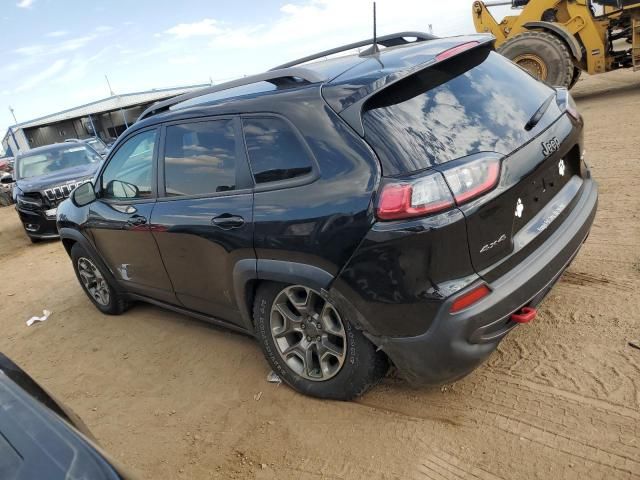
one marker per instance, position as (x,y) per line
(539,113)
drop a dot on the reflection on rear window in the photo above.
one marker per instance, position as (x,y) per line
(477,102)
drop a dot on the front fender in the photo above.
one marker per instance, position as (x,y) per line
(70,234)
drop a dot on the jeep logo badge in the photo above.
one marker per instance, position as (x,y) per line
(550,146)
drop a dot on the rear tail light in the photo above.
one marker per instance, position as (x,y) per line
(414,198)
(471,179)
(456,50)
(469,298)
(438,191)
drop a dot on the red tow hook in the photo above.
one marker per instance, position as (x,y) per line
(524,315)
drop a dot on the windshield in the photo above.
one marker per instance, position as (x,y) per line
(54,160)
(98,145)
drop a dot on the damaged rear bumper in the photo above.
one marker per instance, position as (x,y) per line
(456,344)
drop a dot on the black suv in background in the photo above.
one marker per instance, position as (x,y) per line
(94,142)
(409,206)
(44,177)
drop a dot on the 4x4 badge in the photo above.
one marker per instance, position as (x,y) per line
(519,208)
(561,168)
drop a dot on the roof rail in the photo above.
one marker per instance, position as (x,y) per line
(277,77)
(391,40)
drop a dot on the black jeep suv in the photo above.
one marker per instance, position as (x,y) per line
(407,206)
(44,177)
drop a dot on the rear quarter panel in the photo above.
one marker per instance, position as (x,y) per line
(320,223)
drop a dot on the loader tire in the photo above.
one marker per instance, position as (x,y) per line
(543,55)
(576,76)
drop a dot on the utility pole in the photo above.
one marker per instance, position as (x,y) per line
(109,85)
(13,136)
(13,113)
(124,117)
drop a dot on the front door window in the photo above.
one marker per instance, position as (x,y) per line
(130,171)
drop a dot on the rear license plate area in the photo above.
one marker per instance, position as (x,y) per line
(541,187)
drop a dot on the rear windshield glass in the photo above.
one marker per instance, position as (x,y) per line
(44,163)
(476,102)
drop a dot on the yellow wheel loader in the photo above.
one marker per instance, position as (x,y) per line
(556,40)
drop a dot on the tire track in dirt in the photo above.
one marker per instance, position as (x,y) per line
(593,280)
(441,465)
(589,430)
(593,371)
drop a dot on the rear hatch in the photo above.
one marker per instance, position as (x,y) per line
(500,139)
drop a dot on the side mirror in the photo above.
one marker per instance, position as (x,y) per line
(84,195)
(122,190)
(7,179)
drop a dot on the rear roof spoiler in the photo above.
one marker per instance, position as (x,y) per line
(353,113)
(392,40)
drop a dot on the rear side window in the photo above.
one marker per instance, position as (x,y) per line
(275,151)
(477,102)
(200,158)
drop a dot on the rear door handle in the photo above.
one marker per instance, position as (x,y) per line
(226,221)
(137,220)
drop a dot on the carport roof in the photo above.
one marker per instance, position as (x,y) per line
(108,104)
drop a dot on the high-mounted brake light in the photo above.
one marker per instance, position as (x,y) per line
(414,198)
(469,298)
(456,50)
(473,178)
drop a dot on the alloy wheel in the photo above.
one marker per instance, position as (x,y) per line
(308,333)
(93,281)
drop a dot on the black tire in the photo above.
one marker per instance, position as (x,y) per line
(113,304)
(363,367)
(543,55)
(576,76)
(5,200)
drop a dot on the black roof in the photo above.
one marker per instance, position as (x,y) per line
(346,82)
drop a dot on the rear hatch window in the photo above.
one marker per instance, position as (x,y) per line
(474,102)
(459,116)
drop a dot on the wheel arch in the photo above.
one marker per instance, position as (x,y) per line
(70,237)
(249,273)
(561,33)
(68,244)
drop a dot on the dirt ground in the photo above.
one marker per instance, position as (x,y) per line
(173,398)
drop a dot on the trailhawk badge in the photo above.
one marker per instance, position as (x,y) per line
(561,168)
(519,208)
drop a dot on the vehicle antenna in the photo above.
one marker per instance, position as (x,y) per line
(375,35)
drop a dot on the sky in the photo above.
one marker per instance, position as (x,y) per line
(54,54)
